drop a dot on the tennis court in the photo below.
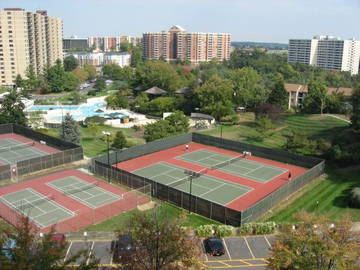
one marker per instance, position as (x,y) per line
(206,187)
(238,166)
(40,209)
(13,151)
(85,192)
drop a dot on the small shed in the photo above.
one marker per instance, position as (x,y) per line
(156,91)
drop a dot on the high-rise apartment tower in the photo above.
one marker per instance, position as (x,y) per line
(327,52)
(27,39)
(177,44)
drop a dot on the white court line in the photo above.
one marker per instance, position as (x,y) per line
(247,244)
(67,252)
(211,190)
(226,248)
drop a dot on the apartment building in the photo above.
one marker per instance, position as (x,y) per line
(327,52)
(177,44)
(27,39)
(98,59)
(111,44)
(75,43)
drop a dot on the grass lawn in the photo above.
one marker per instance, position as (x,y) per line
(119,221)
(96,144)
(332,194)
(316,126)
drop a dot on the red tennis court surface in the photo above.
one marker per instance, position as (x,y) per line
(48,201)
(178,157)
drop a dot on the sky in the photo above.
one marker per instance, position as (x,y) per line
(246,20)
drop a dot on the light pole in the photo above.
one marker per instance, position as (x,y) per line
(107,134)
(116,155)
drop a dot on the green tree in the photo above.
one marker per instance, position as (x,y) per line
(119,140)
(90,71)
(136,55)
(215,97)
(100,84)
(118,100)
(314,245)
(55,78)
(125,46)
(19,82)
(278,95)
(355,118)
(157,130)
(161,244)
(70,63)
(70,130)
(12,109)
(31,82)
(315,100)
(247,88)
(178,122)
(160,74)
(81,74)
(160,105)
(71,82)
(38,253)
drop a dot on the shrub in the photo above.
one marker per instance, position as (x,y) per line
(232,119)
(223,230)
(355,197)
(246,229)
(258,228)
(205,231)
(95,120)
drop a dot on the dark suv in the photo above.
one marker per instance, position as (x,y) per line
(122,247)
(214,246)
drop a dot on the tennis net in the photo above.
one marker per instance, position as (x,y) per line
(32,204)
(192,174)
(80,189)
(16,147)
(227,162)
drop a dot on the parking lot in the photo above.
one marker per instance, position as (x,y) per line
(248,253)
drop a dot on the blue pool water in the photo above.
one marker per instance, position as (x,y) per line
(78,112)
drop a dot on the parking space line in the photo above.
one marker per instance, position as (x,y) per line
(91,249)
(67,252)
(247,244)
(202,244)
(267,241)
(226,249)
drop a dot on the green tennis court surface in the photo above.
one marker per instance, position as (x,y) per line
(84,192)
(42,210)
(206,187)
(12,151)
(243,167)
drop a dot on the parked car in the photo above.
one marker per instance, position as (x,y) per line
(8,247)
(214,246)
(122,247)
(59,238)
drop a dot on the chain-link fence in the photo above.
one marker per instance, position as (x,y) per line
(69,153)
(206,208)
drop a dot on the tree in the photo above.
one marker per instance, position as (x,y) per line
(69,130)
(55,78)
(71,82)
(215,97)
(31,82)
(119,141)
(81,74)
(19,82)
(278,95)
(33,252)
(90,71)
(157,130)
(178,122)
(125,46)
(118,100)
(12,109)
(355,118)
(315,100)
(159,105)
(315,245)
(70,63)
(136,55)
(100,84)
(161,244)
(247,89)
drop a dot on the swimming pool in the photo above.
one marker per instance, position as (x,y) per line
(78,112)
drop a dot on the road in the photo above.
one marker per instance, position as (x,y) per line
(249,253)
